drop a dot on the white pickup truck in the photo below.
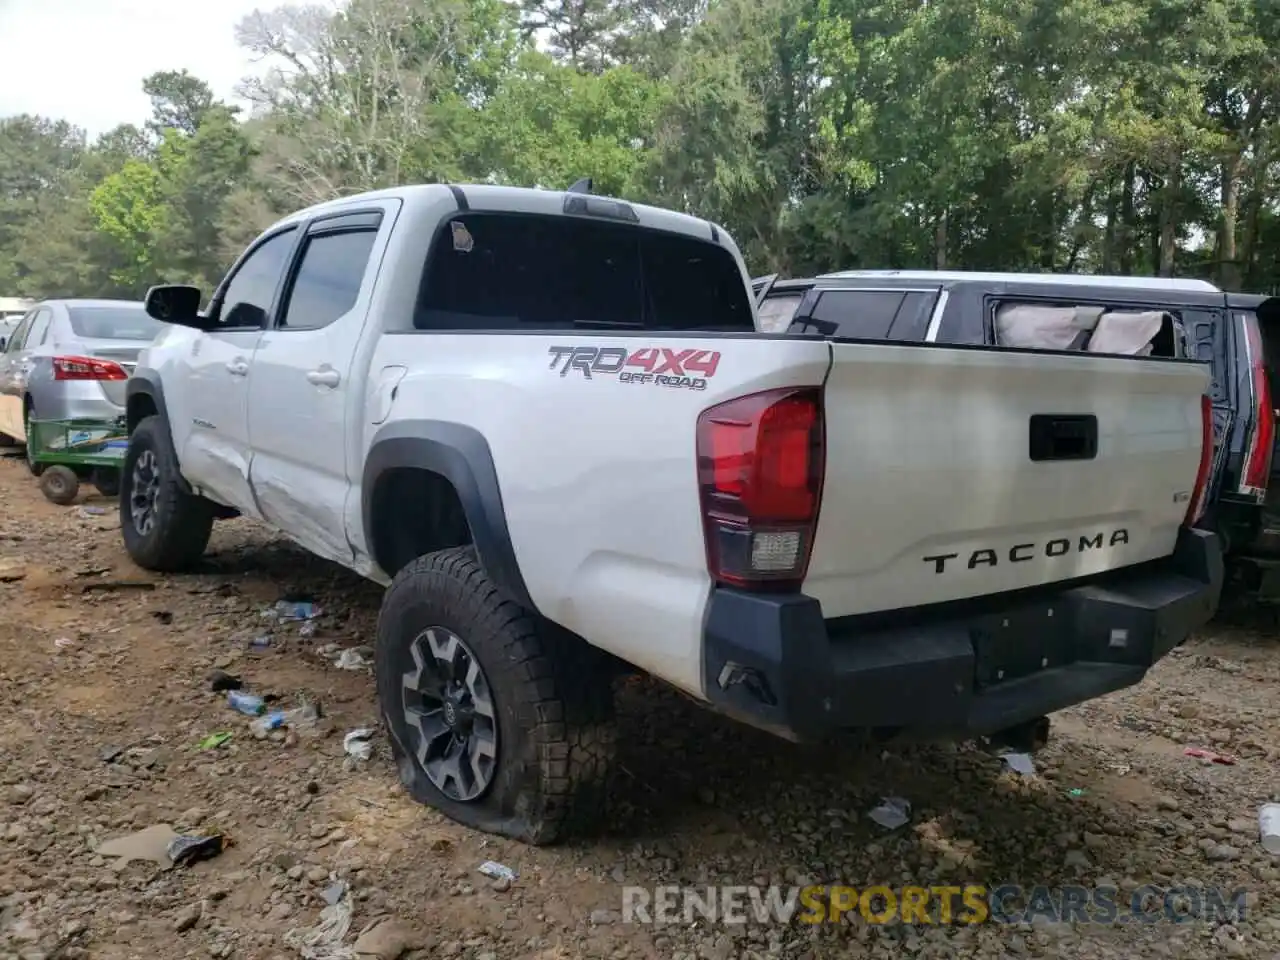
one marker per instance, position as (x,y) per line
(548,421)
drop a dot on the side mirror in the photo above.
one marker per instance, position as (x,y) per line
(175,303)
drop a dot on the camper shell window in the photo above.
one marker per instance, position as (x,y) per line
(1092,328)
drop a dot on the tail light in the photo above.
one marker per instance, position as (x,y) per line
(1257,463)
(1200,495)
(87,368)
(760,465)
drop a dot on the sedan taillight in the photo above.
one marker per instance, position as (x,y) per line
(87,368)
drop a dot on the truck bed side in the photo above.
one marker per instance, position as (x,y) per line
(597,466)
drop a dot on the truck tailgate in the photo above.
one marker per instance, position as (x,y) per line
(960,472)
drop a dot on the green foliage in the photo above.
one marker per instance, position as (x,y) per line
(127,209)
(1107,135)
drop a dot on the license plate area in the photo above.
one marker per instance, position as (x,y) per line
(1021,642)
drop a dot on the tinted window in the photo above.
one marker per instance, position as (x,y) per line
(113,323)
(776,312)
(859,314)
(500,271)
(912,322)
(248,296)
(328,279)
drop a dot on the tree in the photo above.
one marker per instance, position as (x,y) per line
(127,207)
(179,101)
(551,125)
(580,33)
(38,159)
(1122,136)
(376,95)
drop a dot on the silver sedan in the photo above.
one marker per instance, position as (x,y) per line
(70,359)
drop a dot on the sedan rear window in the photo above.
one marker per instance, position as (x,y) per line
(511,271)
(113,323)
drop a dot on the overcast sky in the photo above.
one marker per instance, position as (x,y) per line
(84,60)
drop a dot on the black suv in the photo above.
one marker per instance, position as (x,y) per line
(1237,334)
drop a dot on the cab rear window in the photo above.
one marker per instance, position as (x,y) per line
(516,271)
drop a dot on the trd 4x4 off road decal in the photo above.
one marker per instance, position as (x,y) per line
(660,366)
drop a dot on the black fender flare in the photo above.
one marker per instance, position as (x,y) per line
(146,383)
(462,456)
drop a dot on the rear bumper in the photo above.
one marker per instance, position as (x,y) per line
(957,670)
(72,400)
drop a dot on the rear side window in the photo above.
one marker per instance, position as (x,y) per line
(113,323)
(875,314)
(1122,329)
(776,312)
(509,271)
(328,279)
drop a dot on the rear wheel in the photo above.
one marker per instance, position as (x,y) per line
(501,722)
(107,481)
(60,485)
(164,528)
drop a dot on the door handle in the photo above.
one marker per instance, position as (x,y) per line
(238,367)
(324,377)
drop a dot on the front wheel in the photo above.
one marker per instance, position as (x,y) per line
(164,528)
(501,722)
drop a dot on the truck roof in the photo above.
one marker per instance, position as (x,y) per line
(1066,279)
(488,196)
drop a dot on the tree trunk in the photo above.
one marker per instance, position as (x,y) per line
(1169,221)
(1253,217)
(1229,268)
(1128,227)
(1079,238)
(940,241)
(1049,245)
(1109,235)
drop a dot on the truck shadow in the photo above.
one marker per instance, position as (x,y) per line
(696,791)
(691,780)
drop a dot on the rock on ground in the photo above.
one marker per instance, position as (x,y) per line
(107,721)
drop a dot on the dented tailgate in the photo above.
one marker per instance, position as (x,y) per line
(961,472)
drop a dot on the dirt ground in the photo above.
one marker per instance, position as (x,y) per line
(106,698)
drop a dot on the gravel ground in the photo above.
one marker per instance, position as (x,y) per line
(105,687)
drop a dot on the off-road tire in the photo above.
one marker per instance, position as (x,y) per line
(106,480)
(183,521)
(60,485)
(552,697)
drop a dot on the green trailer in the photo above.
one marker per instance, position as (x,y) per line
(74,451)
